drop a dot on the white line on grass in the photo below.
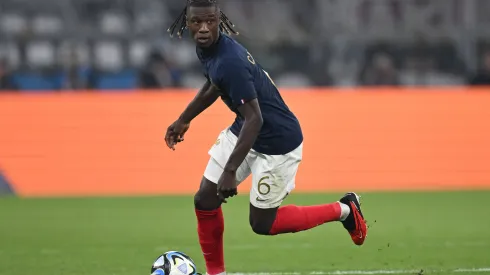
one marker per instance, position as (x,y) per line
(373,272)
(483,269)
(253,246)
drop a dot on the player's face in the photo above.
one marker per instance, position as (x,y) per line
(203,24)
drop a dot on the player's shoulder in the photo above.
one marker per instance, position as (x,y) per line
(233,53)
(233,60)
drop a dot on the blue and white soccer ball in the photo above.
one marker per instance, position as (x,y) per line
(173,263)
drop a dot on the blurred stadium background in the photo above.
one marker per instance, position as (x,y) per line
(123,44)
(384,89)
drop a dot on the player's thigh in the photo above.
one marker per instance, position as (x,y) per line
(273,178)
(219,154)
(206,198)
(214,169)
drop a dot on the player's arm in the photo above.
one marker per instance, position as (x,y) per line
(238,81)
(204,98)
(248,134)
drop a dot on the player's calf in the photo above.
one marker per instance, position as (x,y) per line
(210,226)
(293,218)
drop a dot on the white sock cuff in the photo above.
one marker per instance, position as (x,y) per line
(344,211)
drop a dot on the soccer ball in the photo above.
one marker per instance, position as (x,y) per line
(173,263)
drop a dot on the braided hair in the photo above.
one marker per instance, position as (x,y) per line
(180,23)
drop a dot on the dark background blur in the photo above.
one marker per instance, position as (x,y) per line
(123,44)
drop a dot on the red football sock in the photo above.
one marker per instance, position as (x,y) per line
(292,218)
(210,228)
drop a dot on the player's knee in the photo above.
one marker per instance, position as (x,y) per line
(206,198)
(260,228)
(198,201)
(203,201)
(261,220)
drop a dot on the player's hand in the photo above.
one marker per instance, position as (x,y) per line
(227,185)
(175,133)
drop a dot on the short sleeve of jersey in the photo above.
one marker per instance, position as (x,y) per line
(237,80)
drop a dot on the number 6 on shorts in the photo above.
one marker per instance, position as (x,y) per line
(263,187)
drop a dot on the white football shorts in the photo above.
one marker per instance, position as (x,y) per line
(273,176)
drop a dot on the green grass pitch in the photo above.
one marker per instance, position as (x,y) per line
(439,233)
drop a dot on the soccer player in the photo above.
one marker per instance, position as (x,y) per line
(265,141)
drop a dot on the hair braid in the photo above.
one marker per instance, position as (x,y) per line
(225,24)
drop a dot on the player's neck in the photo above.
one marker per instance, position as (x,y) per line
(209,51)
